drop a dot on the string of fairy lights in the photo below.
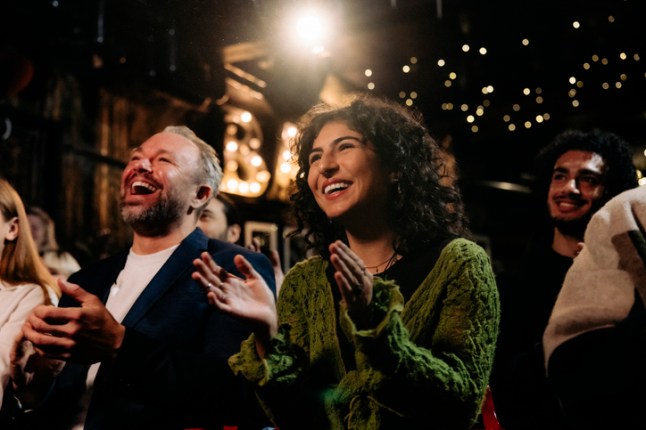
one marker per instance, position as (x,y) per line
(613,71)
(480,101)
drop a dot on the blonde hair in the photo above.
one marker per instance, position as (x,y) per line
(20,262)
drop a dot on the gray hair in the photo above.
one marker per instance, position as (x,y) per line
(211,172)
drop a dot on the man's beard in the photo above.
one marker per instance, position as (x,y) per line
(155,220)
(576,227)
(572,227)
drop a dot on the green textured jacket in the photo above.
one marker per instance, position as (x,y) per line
(424,364)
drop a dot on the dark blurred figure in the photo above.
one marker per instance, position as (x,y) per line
(59,262)
(577,173)
(221,219)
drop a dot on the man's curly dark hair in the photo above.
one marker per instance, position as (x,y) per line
(619,174)
(426,203)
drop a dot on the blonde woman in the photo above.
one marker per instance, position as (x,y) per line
(24,280)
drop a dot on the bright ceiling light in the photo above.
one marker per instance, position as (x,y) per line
(312,29)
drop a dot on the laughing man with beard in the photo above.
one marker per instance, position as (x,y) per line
(138,344)
(578,172)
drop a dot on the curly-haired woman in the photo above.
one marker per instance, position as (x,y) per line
(393,324)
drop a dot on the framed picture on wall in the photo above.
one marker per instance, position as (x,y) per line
(287,249)
(266,233)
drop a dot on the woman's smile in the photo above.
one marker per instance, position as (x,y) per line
(345,173)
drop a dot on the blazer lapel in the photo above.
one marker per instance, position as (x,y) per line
(97,281)
(177,265)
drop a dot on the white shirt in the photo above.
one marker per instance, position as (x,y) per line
(16,303)
(132,280)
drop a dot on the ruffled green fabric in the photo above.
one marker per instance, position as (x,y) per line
(421,364)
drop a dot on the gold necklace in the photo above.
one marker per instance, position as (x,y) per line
(388,262)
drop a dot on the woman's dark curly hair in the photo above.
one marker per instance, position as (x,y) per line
(619,175)
(426,203)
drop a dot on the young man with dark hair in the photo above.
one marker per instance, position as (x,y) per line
(578,172)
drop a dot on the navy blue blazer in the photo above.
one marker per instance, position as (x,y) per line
(171,371)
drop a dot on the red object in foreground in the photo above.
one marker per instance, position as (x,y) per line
(489,418)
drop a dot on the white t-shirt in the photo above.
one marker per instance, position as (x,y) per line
(132,280)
